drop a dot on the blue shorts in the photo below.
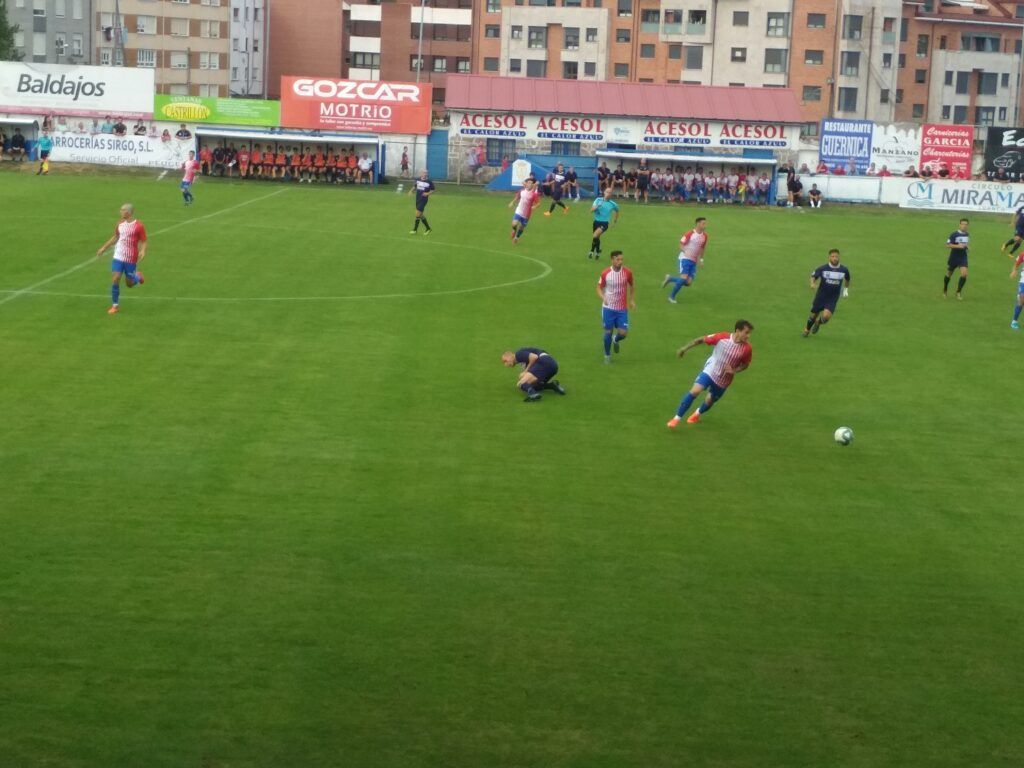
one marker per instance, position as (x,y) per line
(517,219)
(123,266)
(688,268)
(1019,232)
(186,185)
(615,318)
(1020,289)
(717,392)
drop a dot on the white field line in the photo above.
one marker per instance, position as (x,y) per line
(30,289)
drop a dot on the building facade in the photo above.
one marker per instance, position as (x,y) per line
(52,31)
(249,53)
(185,41)
(304,38)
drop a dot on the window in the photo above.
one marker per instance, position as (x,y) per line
(847,100)
(494,6)
(903,30)
(209,60)
(694,57)
(850,63)
(415,63)
(537,37)
(1002,114)
(987,83)
(1019,12)
(234,44)
(959,115)
(775,59)
(901,60)
(778,25)
(565,148)
(145,25)
(366,60)
(515,65)
(76,44)
(39,44)
(179,27)
(104,57)
(570,70)
(738,54)
(945,111)
(498,149)
(536,68)
(809,129)
(214,3)
(145,58)
(571,38)
(76,9)
(60,44)
(39,10)
(920,75)
(647,51)
(852,26)
(439,31)
(814,58)
(962,79)
(209,28)
(815,20)
(886,61)
(589,69)
(980,43)
(696,22)
(621,35)
(899,95)
(650,21)
(1005,80)
(740,18)
(922,46)
(949,77)
(673,22)
(572,3)
(209,91)
(177,89)
(461,64)
(889,30)
(490,64)
(516,32)
(942,42)
(60,8)
(179,60)
(622,70)
(440,64)
(675,51)
(625,7)
(591,34)
(984,115)
(883,96)
(917,110)
(812,93)
(492,31)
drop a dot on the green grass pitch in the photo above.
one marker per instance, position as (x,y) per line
(242,524)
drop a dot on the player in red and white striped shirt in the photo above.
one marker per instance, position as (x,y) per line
(130,238)
(617,292)
(732,354)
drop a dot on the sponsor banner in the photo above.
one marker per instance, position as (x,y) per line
(1004,151)
(358,106)
(161,151)
(602,130)
(949,146)
(843,141)
(950,195)
(199,109)
(895,146)
(46,89)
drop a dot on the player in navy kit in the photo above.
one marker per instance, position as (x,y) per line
(554,184)
(958,243)
(831,280)
(539,369)
(1018,233)
(423,188)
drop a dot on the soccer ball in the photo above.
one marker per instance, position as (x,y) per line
(844,435)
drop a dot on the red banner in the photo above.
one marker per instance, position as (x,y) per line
(947,145)
(362,106)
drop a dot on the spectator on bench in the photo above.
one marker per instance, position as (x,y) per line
(814,195)
(17,150)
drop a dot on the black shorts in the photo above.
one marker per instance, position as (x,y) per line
(956,261)
(601,225)
(43,154)
(821,303)
(794,187)
(556,194)
(642,182)
(544,367)
(421,205)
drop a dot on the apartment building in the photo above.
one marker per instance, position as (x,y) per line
(185,41)
(446,43)
(52,31)
(304,38)
(249,52)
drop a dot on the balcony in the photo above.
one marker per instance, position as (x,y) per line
(696,29)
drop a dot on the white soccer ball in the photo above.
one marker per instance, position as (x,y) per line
(844,435)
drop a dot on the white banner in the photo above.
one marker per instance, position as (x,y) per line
(896,146)
(67,90)
(164,151)
(947,195)
(601,130)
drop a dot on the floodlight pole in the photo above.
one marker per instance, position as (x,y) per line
(419,70)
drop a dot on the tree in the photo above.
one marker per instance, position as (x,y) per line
(7,30)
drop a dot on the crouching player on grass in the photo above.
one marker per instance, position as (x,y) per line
(538,369)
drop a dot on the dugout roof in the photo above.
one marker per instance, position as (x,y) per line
(487,93)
